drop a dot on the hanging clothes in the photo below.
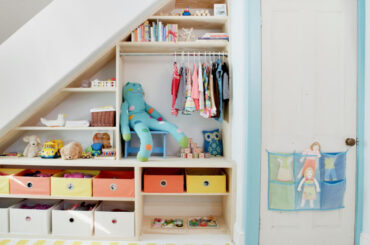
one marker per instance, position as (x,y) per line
(195,87)
(219,117)
(175,88)
(207,103)
(180,100)
(212,91)
(189,103)
(216,91)
(201,89)
(225,82)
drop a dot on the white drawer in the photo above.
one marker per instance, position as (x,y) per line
(5,204)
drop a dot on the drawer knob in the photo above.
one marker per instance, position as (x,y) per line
(114,221)
(113,187)
(70,186)
(28,218)
(163,183)
(71,220)
(29,185)
(206,183)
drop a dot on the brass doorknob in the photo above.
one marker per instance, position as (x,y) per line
(350,141)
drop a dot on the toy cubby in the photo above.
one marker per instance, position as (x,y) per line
(129,61)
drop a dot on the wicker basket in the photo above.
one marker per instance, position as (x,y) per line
(103,119)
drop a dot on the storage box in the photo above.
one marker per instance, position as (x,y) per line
(205,181)
(164,180)
(31,221)
(20,184)
(114,184)
(81,187)
(103,117)
(109,223)
(73,222)
(4,214)
(4,179)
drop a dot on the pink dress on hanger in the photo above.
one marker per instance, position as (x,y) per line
(195,88)
(175,88)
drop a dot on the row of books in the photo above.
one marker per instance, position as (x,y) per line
(155,32)
(215,36)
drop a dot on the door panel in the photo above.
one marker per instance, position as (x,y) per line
(309,83)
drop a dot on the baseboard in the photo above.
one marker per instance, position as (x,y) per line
(239,237)
(364,239)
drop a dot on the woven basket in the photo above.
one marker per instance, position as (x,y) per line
(103,119)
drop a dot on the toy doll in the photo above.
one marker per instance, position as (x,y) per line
(309,157)
(310,186)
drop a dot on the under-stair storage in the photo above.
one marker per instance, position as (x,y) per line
(187,196)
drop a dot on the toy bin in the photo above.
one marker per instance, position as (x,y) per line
(68,220)
(205,181)
(163,180)
(81,187)
(114,219)
(5,175)
(114,184)
(4,214)
(31,221)
(22,184)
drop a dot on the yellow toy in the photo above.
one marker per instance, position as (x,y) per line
(51,149)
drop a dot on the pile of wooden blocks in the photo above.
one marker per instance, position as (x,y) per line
(193,151)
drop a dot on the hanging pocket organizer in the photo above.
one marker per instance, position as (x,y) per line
(303,182)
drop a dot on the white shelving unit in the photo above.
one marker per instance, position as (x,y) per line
(224,201)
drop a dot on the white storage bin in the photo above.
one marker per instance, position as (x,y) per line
(4,214)
(109,223)
(31,221)
(73,222)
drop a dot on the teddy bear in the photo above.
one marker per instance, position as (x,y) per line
(138,115)
(71,151)
(34,146)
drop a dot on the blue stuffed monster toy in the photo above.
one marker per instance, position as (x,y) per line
(141,117)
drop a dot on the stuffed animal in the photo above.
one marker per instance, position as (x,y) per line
(59,122)
(71,151)
(34,146)
(141,117)
(103,138)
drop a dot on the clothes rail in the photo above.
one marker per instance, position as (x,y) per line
(179,54)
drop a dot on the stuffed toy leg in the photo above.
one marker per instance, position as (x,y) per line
(141,117)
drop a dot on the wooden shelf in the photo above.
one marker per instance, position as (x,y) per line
(171,162)
(89,90)
(198,22)
(129,199)
(184,194)
(165,47)
(41,128)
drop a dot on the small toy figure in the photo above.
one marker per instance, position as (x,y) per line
(103,138)
(309,157)
(186,12)
(34,147)
(51,149)
(71,151)
(310,186)
(59,122)
(95,149)
(187,35)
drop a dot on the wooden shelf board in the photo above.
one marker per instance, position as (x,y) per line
(165,47)
(184,194)
(41,128)
(73,238)
(171,162)
(198,22)
(89,90)
(129,199)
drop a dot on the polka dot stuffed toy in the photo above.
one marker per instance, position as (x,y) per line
(141,117)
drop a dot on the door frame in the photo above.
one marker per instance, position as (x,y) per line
(253,107)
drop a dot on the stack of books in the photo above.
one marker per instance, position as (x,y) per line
(155,32)
(214,36)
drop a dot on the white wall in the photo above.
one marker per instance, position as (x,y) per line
(15,13)
(365,236)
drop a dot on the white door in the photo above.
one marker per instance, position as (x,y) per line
(309,82)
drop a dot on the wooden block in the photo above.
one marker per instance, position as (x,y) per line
(183,155)
(207,155)
(201,155)
(196,155)
(193,146)
(190,155)
(187,150)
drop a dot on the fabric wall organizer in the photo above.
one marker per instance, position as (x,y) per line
(306,182)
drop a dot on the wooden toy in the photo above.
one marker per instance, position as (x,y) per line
(103,138)
(167,223)
(201,155)
(187,150)
(190,155)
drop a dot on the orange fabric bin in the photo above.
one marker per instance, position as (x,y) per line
(114,184)
(27,185)
(164,180)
